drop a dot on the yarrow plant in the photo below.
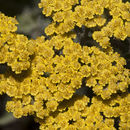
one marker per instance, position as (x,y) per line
(44,76)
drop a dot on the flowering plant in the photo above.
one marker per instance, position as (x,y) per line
(63,83)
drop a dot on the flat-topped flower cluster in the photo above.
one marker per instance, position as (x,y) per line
(43,76)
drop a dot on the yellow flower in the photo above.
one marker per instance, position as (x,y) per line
(49,120)
(10,105)
(7,24)
(80,123)
(127,28)
(71,127)
(26,99)
(25,89)
(70,24)
(58,17)
(48,70)
(97,89)
(107,31)
(97,35)
(80,10)
(52,105)
(25,65)
(115,23)
(31,45)
(51,2)
(100,21)
(17,67)
(91,82)
(122,86)
(67,61)
(58,96)
(89,12)
(73,2)
(29,109)
(2,87)
(84,2)
(41,113)
(124,117)
(33,90)
(124,125)
(80,105)
(38,105)
(18,113)
(99,9)
(76,65)
(67,95)
(66,5)
(39,97)
(115,12)
(120,33)
(104,3)
(67,14)
(126,15)
(67,50)
(11,91)
(50,29)
(109,122)
(106,94)
(108,112)
(58,45)
(76,83)
(47,10)
(40,68)
(58,5)
(104,42)
(55,78)
(65,78)
(24,56)
(78,19)
(63,124)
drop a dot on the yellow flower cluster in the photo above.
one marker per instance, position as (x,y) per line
(7,24)
(15,49)
(70,13)
(43,76)
(99,115)
(55,73)
(62,11)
